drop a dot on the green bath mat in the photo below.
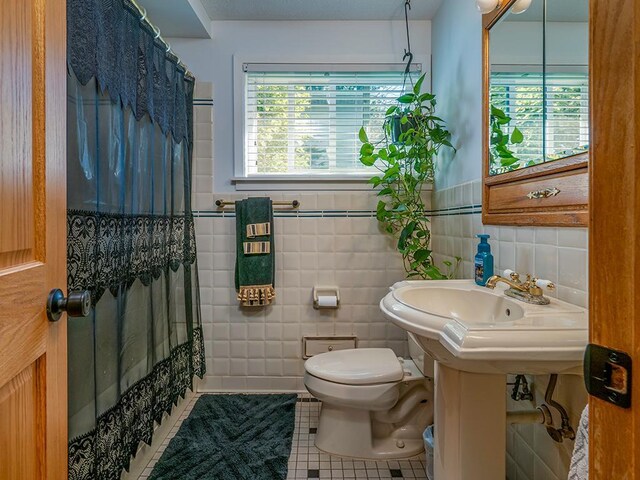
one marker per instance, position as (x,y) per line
(231,437)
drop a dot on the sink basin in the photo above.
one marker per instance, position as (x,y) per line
(474,329)
(465,305)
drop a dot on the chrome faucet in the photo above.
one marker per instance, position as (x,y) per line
(529,291)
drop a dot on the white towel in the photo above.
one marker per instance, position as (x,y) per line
(579,469)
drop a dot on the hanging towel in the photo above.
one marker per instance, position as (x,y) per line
(579,469)
(255,255)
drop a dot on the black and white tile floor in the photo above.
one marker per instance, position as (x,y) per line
(307,462)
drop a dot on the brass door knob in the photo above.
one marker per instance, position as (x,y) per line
(77,304)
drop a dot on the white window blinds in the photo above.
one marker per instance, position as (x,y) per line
(560,117)
(304,119)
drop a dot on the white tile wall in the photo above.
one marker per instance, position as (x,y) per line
(260,349)
(558,254)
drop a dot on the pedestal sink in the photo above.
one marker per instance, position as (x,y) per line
(476,337)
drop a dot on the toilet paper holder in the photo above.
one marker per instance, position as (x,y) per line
(325,292)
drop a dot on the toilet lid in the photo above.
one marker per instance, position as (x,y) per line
(360,366)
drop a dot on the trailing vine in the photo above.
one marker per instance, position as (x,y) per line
(405,159)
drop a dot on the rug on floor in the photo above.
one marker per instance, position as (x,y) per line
(231,437)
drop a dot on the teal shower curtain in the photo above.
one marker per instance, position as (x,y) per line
(131,239)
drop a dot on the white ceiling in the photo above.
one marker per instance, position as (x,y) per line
(319,9)
(178,18)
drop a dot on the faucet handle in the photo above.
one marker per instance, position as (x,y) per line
(539,282)
(508,273)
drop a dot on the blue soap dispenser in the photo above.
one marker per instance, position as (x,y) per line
(483,261)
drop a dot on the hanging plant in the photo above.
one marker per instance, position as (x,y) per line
(405,159)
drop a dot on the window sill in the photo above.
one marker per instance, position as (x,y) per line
(302,182)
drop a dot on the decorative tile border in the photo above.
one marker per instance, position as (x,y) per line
(278,213)
(203,102)
(464,210)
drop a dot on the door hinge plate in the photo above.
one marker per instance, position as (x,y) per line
(607,375)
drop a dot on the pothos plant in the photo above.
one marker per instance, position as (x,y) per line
(502,158)
(405,166)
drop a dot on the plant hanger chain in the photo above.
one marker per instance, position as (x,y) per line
(407,51)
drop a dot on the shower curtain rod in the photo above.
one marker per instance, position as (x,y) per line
(143,18)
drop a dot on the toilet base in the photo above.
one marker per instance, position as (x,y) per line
(352,433)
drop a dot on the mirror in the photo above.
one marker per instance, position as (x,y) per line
(538,94)
(536,113)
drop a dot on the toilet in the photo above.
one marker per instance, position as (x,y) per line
(375,405)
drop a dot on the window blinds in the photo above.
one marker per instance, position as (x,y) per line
(304,119)
(560,116)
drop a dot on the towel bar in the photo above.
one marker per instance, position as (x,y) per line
(291,204)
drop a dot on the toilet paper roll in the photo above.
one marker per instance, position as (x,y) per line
(327,301)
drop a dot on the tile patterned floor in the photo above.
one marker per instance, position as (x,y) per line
(307,462)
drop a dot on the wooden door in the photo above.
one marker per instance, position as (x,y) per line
(614,246)
(33,386)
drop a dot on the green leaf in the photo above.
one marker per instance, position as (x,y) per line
(434,273)
(362,135)
(426,97)
(404,234)
(407,98)
(517,136)
(421,255)
(385,191)
(375,181)
(366,149)
(368,160)
(496,112)
(418,86)
(507,161)
(391,110)
(391,172)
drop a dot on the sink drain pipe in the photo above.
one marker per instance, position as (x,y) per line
(542,415)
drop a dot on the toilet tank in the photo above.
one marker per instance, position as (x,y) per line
(422,360)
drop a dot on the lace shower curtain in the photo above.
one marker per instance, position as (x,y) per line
(131,238)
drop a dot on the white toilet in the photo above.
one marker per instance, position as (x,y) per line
(374,404)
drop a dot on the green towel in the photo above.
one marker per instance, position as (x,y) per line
(255,255)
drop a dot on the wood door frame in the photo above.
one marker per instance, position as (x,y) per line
(614,234)
(55,155)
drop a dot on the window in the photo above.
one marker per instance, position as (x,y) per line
(303,119)
(561,116)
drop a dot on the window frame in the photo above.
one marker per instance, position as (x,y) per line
(320,181)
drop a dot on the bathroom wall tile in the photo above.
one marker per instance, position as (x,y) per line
(572,268)
(546,236)
(546,262)
(573,237)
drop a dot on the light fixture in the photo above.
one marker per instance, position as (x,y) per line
(487,6)
(520,6)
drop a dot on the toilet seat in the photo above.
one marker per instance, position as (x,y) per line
(362,366)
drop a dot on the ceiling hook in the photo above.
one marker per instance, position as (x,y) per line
(407,51)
